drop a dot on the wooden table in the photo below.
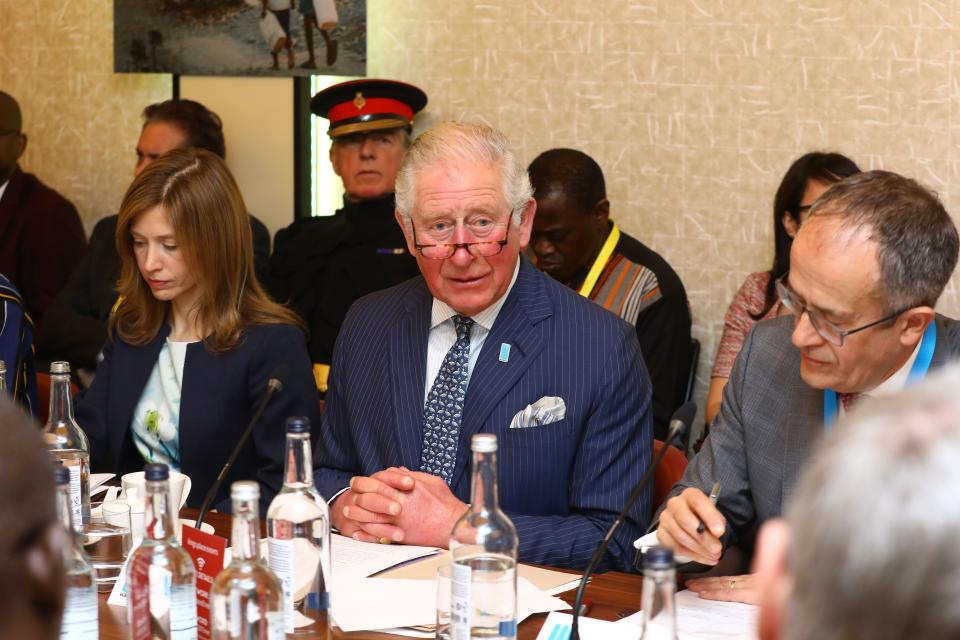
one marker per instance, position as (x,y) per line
(614,595)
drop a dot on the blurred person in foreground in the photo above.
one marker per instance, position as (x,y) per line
(869,546)
(866,270)
(76,326)
(31,562)
(578,244)
(194,339)
(483,342)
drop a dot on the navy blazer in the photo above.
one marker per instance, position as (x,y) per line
(562,484)
(219,396)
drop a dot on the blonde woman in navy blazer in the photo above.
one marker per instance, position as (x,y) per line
(193,324)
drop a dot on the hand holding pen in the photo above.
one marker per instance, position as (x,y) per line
(692,525)
(714,495)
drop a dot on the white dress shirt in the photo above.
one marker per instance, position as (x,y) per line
(443,334)
(894,384)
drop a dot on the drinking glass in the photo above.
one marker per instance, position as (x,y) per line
(107,540)
(443,601)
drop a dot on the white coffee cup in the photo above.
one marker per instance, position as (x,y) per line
(206,527)
(179,486)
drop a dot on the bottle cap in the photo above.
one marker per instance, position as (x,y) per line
(298,424)
(59,367)
(484,443)
(245,490)
(61,475)
(658,558)
(155,472)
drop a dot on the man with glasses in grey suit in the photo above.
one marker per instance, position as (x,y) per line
(867,268)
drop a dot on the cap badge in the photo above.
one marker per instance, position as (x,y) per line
(359,101)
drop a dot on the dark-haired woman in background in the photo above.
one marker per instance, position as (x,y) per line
(806,179)
(194,338)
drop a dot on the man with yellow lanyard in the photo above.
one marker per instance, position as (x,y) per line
(577,243)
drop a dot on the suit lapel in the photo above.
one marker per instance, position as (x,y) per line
(519,325)
(408,364)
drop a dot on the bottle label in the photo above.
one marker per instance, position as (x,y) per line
(80,614)
(281,563)
(76,498)
(138,600)
(275,625)
(183,612)
(460,577)
(221,620)
(235,613)
(177,605)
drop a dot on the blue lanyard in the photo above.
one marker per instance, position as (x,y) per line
(917,373)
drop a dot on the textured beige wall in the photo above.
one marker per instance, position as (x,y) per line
(694,108)
(81,119)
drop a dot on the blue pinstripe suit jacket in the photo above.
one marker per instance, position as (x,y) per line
(562,484)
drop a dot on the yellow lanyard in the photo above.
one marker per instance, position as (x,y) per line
(601,261)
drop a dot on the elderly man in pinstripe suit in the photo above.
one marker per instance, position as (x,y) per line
(483,342)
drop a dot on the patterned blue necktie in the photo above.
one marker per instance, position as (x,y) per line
(444,409)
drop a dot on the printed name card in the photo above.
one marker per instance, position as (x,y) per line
(207,551)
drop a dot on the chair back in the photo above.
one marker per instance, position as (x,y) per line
(669,472)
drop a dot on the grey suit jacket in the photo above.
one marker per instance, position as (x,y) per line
(767,425)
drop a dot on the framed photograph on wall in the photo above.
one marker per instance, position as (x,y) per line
(241,37)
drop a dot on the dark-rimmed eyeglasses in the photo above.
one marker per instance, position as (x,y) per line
(446,250)
(826,329)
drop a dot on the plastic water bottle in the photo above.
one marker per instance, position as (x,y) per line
(298,536)
(67,443)
(659,594)
(246,598)
(80,607)
(161,580)
(483,550)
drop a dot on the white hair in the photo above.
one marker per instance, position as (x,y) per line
(874,523)
(457,143)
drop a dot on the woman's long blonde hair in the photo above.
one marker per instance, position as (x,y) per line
(212,229)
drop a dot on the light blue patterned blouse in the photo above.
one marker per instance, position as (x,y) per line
(156,418)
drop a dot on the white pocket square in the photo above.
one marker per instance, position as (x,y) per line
(546,410)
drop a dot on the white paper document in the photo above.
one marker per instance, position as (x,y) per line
(699,619)
(97,480)
(558,626)
(367,604)
(354,559)
(363,604)
(651,540)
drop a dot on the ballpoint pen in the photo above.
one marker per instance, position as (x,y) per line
(714,494)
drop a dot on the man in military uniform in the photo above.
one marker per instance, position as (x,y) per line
(321,265)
